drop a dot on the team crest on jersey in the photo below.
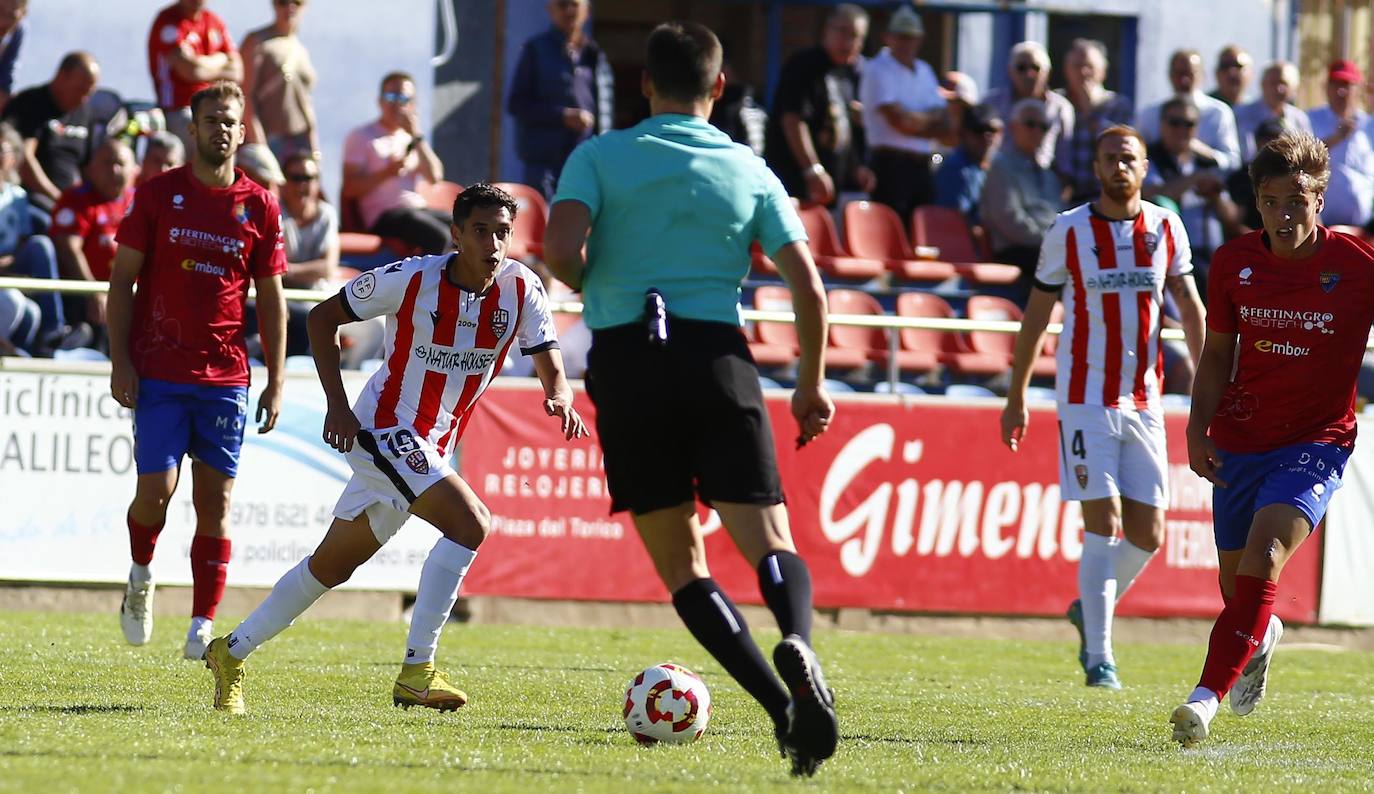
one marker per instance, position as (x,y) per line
(363,286)
(500,321)
(417,463)
(1080,473)
(1151,241)
(1328,280)
(240,213)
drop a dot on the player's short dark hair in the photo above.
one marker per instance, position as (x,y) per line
(220,91)
(482,194)
(683,60)
(80,59)
(1118,131)
(1293,154)
(396,75)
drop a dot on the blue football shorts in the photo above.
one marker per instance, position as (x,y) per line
(1302,475)
(175,419)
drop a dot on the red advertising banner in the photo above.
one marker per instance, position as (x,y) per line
(903,505)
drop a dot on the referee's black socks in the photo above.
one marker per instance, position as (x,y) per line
(785,582)
(720,628)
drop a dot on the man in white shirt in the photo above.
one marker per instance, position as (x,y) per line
(1345,129)
(1028,72)
(1278,83)
(905,116)
(1216,132)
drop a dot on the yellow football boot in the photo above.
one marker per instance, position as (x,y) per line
(422,685)
(229,674)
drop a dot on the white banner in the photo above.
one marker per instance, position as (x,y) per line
(67,477)
(1348,555)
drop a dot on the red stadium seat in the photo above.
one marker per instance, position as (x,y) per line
(937,345)
(853,346)
(760,263)
(775,343)
(529,221)
(946,228)
(991,351)
(830,256)
(873,231)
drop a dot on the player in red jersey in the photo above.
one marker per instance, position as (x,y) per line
(193,239)
(1273,420)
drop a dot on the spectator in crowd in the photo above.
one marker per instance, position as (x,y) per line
(18,323)
(1094,110)
(1215,137)
(1021,197)
(815,140)
(1028,72)
(386,163)
(1278,84)
(905,116)
(959,179)
(11,40)
(1235,206)
(259,165)
(1234,72)
(1345,130)
(561,94)
(84,224)
(1186,176)
(56,124)
(277,79)
(163,152)
(310,228)
(25,254)
(737,114)
(188,48)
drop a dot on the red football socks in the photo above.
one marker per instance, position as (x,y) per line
(209,566)
(142,540)
(1238,633)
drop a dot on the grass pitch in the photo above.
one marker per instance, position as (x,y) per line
(82,711)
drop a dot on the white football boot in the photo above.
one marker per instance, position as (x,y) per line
(1192,720)
(1250,687)
(136,611)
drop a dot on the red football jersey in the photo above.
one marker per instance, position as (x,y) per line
(203,34)
(83,212)
(1302,325)
(201,248)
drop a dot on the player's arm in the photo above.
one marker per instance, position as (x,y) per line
(1194,317)
(272,328)
(358,182)
(340,424)
(1209,384)
(564,237)
(128,262)
(31,172)
(558,395)
(811,404)
(928,124)
(1029,340)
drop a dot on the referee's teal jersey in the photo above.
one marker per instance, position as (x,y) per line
(675,205)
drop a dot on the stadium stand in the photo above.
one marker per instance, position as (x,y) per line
(873,231)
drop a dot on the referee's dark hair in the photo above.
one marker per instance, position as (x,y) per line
(683,60)
(482,194)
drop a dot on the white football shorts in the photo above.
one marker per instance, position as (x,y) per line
(1107,452)
(390,469)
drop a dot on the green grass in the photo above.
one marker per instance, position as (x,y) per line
(80,710)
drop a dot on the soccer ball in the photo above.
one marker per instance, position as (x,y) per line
(667,703)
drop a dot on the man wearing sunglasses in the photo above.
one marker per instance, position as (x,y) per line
(188,49)
(386,164)
(1186,177)
(1021,197)
(560,95)
(1216,137)
(1234,72)
(1028,72)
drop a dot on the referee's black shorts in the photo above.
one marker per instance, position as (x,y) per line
(683,420)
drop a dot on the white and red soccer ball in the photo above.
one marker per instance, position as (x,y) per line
(667,703)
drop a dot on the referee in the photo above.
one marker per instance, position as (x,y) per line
(668,210)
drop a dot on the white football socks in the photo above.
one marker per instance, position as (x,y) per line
(140,574)
(292,595)
(440,578)
(197,624)
(1097,593)
(1207,699)
(1129,560)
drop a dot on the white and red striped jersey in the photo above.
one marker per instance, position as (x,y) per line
(443,344)
(1112,274)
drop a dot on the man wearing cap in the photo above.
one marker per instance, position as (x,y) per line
(905,115)
(1277,85)
(1344,128)
(959,180)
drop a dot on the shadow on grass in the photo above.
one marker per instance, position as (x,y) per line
(76,709)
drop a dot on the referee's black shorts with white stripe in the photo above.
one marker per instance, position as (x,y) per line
(683,420)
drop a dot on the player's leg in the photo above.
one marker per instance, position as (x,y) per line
(1144,480)
(161,438)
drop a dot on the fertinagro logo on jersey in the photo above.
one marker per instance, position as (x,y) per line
(454,360)
(1278,319)
(206,241)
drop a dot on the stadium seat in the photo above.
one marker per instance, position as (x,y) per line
(768,383)
(775,344)
(991,351)
(946,228)
(830,256)
(854,346)
(440,195)
(928,342)
(901,387)
(529,221)
(1040,394)
(873,231)
(354,239)
(963,391)
(759,263)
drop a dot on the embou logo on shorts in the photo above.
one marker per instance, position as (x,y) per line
(417,463)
